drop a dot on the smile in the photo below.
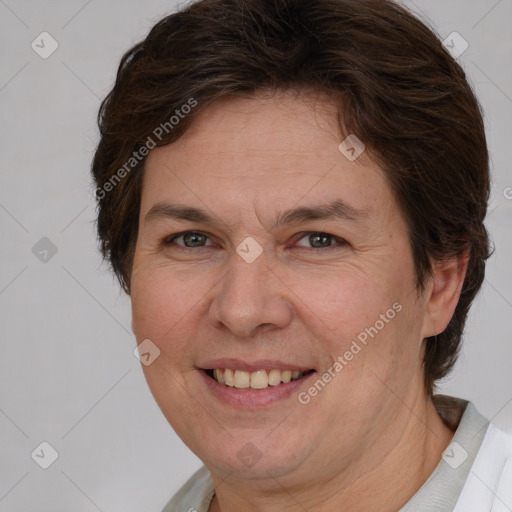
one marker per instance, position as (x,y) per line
(259,379)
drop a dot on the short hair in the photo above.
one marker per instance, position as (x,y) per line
(394,85)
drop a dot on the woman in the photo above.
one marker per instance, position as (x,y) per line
(293,195)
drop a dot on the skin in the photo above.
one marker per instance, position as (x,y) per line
(371,437)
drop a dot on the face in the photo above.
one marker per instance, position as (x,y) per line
(264,254)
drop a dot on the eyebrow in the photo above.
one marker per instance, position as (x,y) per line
(334,210)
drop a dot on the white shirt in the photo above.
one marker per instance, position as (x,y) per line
(474,475)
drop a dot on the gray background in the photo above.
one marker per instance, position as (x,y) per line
(67,372)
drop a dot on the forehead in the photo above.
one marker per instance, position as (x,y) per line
(273,150)
(283,123)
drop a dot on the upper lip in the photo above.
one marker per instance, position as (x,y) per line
(252,366)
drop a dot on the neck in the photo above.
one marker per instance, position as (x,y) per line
(384,477)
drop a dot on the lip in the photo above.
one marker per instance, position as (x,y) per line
(253,366)
(254,398)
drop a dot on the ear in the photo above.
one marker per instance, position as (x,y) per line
(443,293)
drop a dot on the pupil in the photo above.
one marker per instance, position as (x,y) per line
(319,240)
(192,239)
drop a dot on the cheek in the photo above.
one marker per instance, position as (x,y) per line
(342,301)
(165,303)
(368,315)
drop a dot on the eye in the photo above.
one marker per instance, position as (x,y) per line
(190,239)
(319,240)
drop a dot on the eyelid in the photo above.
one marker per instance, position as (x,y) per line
(170,240)
(300,236)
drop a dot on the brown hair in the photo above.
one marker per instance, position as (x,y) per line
(397,89)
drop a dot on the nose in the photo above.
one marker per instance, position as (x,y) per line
(251,299)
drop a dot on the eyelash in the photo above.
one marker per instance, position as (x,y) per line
(169,241)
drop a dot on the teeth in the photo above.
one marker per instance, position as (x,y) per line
(256,380)
(274,377)
(259,379)
(229,377)
(219,376)
(242,380)
(286,376)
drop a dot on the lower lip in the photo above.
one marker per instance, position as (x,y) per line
(253,398)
